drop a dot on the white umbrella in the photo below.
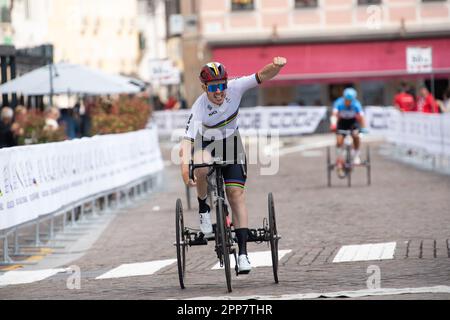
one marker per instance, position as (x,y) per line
(70,79)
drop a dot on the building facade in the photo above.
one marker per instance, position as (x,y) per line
(330,44)
(102,34)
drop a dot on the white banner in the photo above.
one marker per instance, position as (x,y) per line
(419,59)
(287,120)
(41,179)
(430,132)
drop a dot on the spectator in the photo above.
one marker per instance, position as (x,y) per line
(6,134)
(446,102)
(183,104)
(70,123)
(18,127)
(318,103)
(51,119)
(87,106)
(426,102)
(172,104)
(404,101)
(157,103)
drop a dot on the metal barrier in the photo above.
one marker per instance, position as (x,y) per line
(73,215)
(416,157)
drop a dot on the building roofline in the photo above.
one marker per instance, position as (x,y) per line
(316,39)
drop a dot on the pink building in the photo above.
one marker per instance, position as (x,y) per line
(330,44)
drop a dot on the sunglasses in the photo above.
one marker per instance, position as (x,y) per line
(220,86)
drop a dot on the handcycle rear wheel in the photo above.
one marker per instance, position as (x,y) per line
(329,166)
(181,243)
(369,167)
(349,166)
(273,237)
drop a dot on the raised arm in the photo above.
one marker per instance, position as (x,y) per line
(272,70)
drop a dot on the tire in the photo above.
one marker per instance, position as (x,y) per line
(188,197)
(329,166)
(224,243)
(369,168)
(349,166)
(181,243)
(273,237)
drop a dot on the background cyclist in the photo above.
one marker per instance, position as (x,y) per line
(348,114)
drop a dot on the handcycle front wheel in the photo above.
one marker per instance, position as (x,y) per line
(223,241)
(273,237)
(181,243)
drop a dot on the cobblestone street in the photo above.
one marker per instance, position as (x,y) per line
(405,206)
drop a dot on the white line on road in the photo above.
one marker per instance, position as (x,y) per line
(26,277)
(257,259)
(136,269)
(326,142)
(340,294)
(366,252)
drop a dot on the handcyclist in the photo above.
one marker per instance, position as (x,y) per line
(212,131)
(348,115)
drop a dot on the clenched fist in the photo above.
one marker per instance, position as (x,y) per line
(280,61)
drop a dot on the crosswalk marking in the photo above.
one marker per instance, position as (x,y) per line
(350,253)
(136,269)
(257,259)
(25,277)
(340,294)
(366,252)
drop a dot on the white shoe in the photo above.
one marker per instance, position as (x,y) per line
(205,223)
(244,266)
(357,161)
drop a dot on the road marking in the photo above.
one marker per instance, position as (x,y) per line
(136,269)
(326,142)
(340,294)
(26,277)
(167,163)
(257,259)
(38,256)
(366,252)
(11,268)
(312,154)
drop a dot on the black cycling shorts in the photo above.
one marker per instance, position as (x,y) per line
(229,149)
(348,124)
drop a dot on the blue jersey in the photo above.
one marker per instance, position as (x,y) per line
(350,112)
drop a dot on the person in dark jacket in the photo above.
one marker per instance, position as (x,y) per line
(6,135)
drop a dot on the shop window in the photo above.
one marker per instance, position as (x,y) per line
(372,93)
(336,90)
(308,95)
(5,15)
(368,2)
(306,3)
(242,5)
(439,86)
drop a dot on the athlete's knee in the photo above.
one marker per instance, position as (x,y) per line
(201,174)
(235,194)
(202,156)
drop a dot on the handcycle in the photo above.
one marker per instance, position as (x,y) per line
(348,166)
(223,231)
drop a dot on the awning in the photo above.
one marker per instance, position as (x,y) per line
(335,61)
(71,79)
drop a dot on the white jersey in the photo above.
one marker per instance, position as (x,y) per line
(215,122)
